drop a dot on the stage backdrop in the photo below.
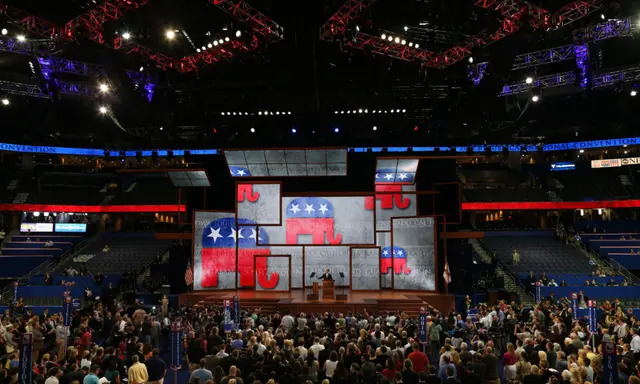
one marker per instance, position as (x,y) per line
(317,233)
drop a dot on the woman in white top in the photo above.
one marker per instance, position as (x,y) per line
(331,364)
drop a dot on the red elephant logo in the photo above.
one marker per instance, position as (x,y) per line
(219,253)
(397,256)
(311,216)
(247,190)
(389,196)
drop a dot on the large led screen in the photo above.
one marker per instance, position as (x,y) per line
(365,268)
(413,257)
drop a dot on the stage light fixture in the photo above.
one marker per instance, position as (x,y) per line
(375,128)
(198,50)
(209,45)
(293,130)
(403,42)
(366,111)
(221,41)
(102,109)
(348,111)
(633,93)
(602,16)
(535,98)
(411,43)
(215,43)
(415,129)
(397,40)
(354,111)
(238,33)
(406,28)
(271,113)
(470,59)
(260,113)
(417,45)
(246,113)
(5,101)
(170,34)
(4,31)
(336,130)
(390,38)
(336,112)
(104,88)
(289,112)
(234,113)
(126,35)
(227,38)
(529,80)
(383,36)
(203,48)
(253,130)
(222,113)
(21,38)
(582,151)
(404,111)
(359,110)
(342,112)
(141,69)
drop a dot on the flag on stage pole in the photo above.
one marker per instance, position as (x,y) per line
(446,274)
(188,274)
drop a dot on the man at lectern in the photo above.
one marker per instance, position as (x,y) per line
(326,275)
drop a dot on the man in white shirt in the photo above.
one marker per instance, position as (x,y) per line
(54,375)
(316,347)
(635,342)
(288,321)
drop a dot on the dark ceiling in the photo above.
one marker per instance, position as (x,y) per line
(313,79)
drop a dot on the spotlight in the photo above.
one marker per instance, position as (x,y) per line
(209,45)
(238,33)
(141,69)
(170,34)
(226,38)
(357,28)
(348,111)
(406,28)
(336,130)
(403,42)
(359,110)
(375,128)
(397,110)
(104,88)
(397,40)
(215,43)
(198,50)
(389,111)
(234,113)
(293,130)
(5,101)
(221,41)
(260,113)
(582,151)
(602,16)
(535,98)
(366,111)
(126,35)
(404,111)
(417,45)
(342,112)
(4,31)
(374,111)
(253,130)
(102,109)
(354,111)
(383,36)
(390,38)
(289,112)
(222,113)
(21,38)
(415,129)
(529,80)
(633,92)
(277,112)
(470,59)
(203,48)
(411,44)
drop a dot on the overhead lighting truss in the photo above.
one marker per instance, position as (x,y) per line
(512,11)
(262,29)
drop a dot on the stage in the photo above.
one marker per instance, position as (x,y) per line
(356,301)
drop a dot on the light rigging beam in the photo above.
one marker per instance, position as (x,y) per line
(259,23)
(337,24)
(94,19)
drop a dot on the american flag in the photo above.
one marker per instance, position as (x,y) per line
(188,274)
(446,274)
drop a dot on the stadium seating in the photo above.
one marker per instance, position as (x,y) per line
(604,184)
(539,252)
(623,247)
(23,253)
(576,280)
(128,252)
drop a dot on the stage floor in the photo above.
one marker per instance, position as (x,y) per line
(356,301)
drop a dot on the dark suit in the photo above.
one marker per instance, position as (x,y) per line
(325,276)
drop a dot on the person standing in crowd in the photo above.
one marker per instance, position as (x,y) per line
(137,372)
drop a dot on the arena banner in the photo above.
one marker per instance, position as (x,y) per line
(563,166)
(593,324)
(538,293)
(383,240)
(422,325)
(365,268)
(71,227)
(413,247)
(66,310)
(176,346)
(609,362)
(25,371)
(574,306)
(259,202)
(236,311)
(228,322)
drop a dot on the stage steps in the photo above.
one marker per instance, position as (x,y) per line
(411,306)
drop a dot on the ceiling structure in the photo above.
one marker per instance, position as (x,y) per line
(334,72)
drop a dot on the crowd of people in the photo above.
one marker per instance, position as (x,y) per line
(111,342)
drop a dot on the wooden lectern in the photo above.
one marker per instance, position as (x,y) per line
(328,289)
(314,296)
